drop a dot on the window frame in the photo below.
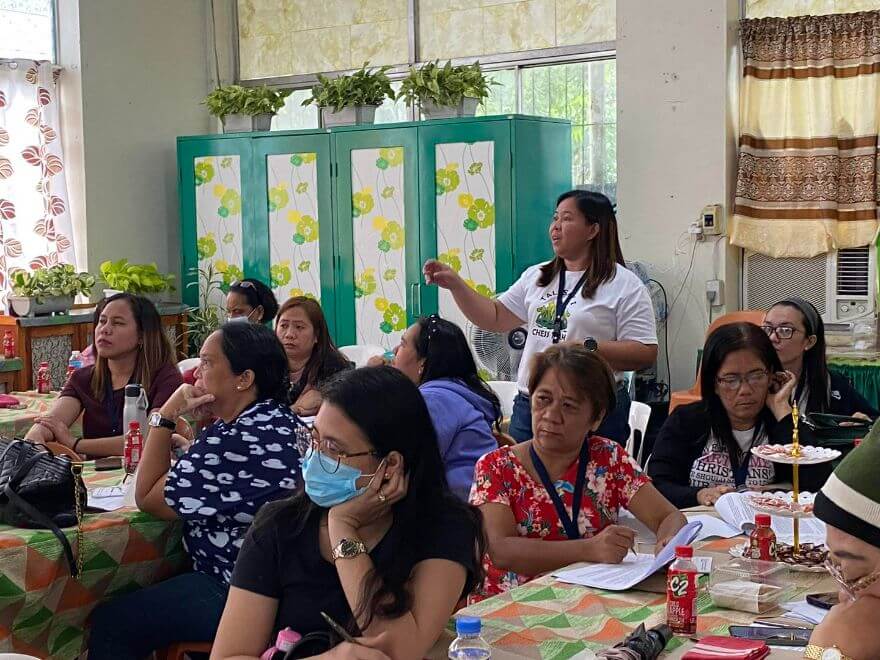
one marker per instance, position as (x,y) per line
(53,4)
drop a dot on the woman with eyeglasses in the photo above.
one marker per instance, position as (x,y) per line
(555,499)
(584,295)
(849,504)
(377,541)
(312,357)
(246,458)
(434,354)
(798,335)
(703,449)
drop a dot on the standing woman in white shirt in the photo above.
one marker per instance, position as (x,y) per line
(602,305)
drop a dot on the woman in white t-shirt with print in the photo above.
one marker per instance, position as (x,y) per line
(602,304)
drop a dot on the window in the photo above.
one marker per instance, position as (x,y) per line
(27,29)
(585,93)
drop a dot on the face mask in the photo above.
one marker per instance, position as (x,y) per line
(238,319)
(325,489)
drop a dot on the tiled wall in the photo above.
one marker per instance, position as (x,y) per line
(785,8)
(287,37)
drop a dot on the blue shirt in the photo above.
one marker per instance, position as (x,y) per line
(227,474)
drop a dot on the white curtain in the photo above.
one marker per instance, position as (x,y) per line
(35,224)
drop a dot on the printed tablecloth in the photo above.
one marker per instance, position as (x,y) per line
(15,422)
(43,610)
(549,619)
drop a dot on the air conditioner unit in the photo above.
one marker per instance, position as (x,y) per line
(841,284)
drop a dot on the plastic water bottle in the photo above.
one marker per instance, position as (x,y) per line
(44,379)
(469,645)
(135,407)
(75,362)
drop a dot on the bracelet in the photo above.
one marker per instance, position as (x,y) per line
(76,444)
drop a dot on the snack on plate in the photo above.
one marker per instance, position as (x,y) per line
(780,503)
(785,454)
(811,554)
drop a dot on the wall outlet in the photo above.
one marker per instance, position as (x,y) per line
(712,220)
(715,292)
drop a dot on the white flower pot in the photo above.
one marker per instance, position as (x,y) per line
(356,114)
(27,306)
(238,123)
(467,107)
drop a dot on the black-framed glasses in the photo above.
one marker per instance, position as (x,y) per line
(735,381)
(308,441)
(782,331)
(242,284)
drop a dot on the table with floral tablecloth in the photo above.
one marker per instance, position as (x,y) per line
(548,619)
(43,610)
(15,422)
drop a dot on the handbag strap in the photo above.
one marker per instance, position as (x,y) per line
(47,522)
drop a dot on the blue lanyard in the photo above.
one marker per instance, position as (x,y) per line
(570,524)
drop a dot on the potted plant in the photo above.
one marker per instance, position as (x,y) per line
(207,316)
(139,279)
(446,91)
(48,290)
(245,108)
(351,99)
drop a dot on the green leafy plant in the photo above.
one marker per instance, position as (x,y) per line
(235,99)
(135,278)
(61,280)
(207,316)
(363,87)
(445,85)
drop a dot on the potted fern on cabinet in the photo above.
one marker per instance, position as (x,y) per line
(243,109)
(353,99)
(446,91)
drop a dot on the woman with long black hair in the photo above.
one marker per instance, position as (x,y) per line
(435,355)
(584,294)
(377,540)
(798,335)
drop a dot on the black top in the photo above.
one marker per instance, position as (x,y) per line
(683,438)
(843,398)
(334,363)
(278,562)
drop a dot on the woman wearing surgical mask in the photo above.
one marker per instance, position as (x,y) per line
(377,541)
(849,503)
(248,301)
(246,458)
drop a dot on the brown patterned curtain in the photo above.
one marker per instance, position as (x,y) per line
(810,100)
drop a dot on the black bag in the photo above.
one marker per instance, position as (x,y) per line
(833,430)
(39,490)
(312,644)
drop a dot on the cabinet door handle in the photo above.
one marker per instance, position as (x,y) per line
(414,291)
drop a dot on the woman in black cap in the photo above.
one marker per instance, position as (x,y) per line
(798,335)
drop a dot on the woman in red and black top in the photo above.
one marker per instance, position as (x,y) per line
(131,348)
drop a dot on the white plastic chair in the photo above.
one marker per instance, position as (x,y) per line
(639,414)
(360,354)
(189,363)
(506,391)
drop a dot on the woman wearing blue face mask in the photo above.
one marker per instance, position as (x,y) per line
(377,541)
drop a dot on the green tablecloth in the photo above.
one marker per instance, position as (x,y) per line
(15,422)
(863,374)
(43,610)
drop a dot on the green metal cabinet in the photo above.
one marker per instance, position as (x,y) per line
(349,215)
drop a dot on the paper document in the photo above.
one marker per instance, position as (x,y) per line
(107,498)
(735,509)
(644,534)
(633,569)
(713,527)
(801,609)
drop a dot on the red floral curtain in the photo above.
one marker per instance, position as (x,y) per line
(35,224)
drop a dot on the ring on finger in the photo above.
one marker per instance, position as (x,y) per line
(382,496)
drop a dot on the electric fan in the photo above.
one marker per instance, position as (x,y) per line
(497,353)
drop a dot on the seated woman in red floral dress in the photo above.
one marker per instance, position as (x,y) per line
(566,484)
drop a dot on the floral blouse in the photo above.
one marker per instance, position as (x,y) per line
(612,479)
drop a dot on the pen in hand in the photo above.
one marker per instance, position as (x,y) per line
(339,630)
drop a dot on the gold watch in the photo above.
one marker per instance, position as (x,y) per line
(348,549)
(818,653)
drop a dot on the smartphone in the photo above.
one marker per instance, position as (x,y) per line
(826,601)
(108,463)
(778,636)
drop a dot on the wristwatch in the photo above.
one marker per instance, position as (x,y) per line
(818,653)
(591,344)
(155,420)
(348,549)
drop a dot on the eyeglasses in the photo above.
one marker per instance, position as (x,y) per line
(734,382)
(851,587)
(308,441)
(782,331)
(242,284)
